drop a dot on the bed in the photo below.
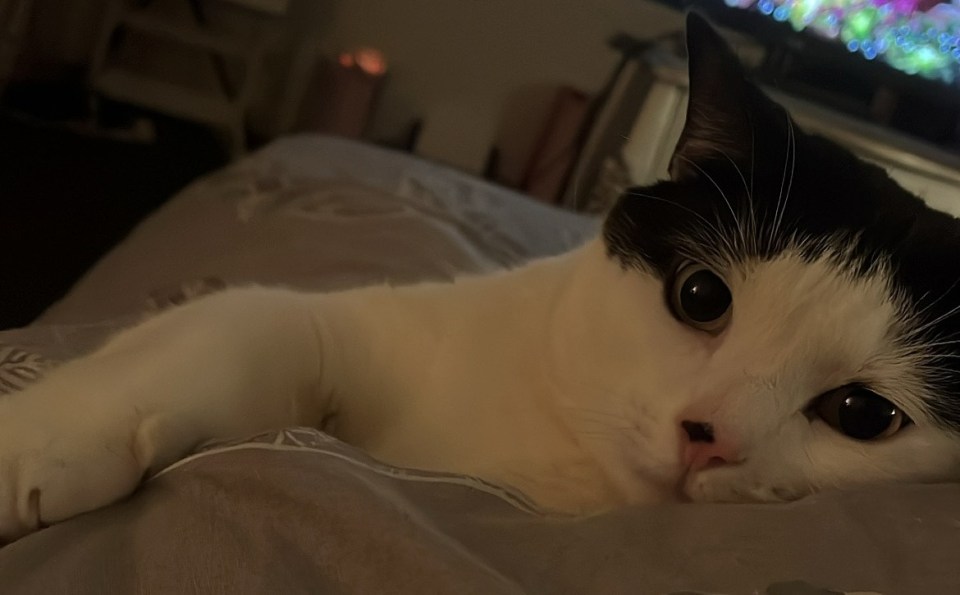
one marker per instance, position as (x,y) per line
(295,511)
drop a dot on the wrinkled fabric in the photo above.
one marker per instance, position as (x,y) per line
(319,213)
(308,514)
(295,511)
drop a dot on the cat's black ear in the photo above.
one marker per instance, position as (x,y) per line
(718,120)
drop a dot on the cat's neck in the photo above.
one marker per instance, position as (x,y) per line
(466,379)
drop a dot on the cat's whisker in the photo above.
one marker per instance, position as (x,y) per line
(917,331)
(753,163)
(935,356)
(585,414)
(939,374)
(751,219)
(945,343)
(776,213)
(786,180)
(674,203)
(739,172)
(920,312)
(793,161)
(590,409)
(599,420)
(736,219)
(922,328)
(612,434)
(786,184)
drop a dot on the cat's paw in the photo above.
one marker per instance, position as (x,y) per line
(734,484)
(57,461)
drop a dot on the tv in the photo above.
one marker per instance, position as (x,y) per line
(918,37)
(893,62)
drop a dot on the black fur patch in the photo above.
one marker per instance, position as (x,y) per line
(747,183)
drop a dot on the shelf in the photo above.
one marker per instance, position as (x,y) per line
(169,98)
(277,7)
(189,35)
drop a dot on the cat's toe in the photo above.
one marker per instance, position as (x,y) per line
(56,471)
(19,507)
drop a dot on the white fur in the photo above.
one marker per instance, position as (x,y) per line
(566,379)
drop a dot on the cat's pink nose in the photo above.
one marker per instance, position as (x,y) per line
(702,448)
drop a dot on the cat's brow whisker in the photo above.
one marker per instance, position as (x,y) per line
(723,195)
(739,172)
(753,161)
(783,180)
(754,224)
(674,203)
(789,162)
(748,188)
(786,184)
(793,168)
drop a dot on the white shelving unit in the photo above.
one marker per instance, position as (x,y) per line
(932,174)
(225,108)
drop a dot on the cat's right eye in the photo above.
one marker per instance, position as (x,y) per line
(700,298)
(860,413)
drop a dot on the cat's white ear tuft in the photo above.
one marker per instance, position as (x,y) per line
(718,113)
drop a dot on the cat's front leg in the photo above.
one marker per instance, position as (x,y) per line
(227,365)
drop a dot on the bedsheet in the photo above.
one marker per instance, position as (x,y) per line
(295,511)
(319,213)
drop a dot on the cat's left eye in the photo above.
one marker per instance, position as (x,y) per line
(860,413)
(700,298)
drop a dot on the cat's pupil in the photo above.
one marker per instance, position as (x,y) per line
(704,297)
(864,415)
(860,413)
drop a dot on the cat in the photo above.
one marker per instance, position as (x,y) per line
(776,318)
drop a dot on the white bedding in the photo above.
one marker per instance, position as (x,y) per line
(296,512)
(320,213)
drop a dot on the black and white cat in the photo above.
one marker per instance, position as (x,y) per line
(776,319)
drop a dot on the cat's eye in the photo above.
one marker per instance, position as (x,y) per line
(860,413)
(700,298)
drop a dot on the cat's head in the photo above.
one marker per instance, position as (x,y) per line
(801,311)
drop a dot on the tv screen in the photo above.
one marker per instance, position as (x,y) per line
(918,37)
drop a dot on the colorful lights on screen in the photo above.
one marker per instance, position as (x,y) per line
(920,37)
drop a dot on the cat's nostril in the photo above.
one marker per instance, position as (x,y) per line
(698,431)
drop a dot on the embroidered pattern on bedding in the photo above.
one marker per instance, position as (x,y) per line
(341,198)
(19,367)
(167,297)
(310,440)
(260,187)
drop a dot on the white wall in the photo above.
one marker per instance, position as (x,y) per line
(458,64)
